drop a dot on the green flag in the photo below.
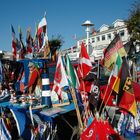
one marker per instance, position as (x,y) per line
(70,71)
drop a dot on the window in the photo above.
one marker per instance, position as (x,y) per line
(122,33)
(98,38)
(109,36)
(103,37)
(93,40)
(88,40)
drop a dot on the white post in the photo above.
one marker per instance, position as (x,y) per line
(87,24)
(87,31)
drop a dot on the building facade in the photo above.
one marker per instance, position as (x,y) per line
(99,40)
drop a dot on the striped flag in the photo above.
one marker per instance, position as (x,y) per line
(128,101)
(111,52)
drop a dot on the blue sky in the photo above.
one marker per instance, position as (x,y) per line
(64,17)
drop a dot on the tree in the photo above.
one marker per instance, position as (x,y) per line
(133,22)
(55,44)
(133,26)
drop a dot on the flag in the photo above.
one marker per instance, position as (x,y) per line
(43,37)
(14,43)
(36,42)
(73,82)
(92,74)
(128,101)
(4,133)
(99,130)
(20,119)
(60,78)
(136,87)
(106,94)
(42,26)
(114,79)
(29,41)
(45,47)
(84,67)
(110,53)
(121,78)
(23,49)
(85,63)
(70,72)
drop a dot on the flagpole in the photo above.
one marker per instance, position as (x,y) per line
(77,109)
(103,99)
(98,74)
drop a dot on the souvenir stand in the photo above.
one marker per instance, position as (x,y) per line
(39,110)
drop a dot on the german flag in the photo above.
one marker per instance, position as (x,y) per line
(128,101)
(111,52)
(121,77)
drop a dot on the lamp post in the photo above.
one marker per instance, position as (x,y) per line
(87,24)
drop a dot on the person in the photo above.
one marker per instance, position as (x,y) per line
(34,76)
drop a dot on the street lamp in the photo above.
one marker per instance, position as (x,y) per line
(87,24)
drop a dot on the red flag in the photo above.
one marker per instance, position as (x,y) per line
(60,78)
(106,94)
(128,101)
(136,88)
(84,67)
(138,76)
(85,63)
(99,130)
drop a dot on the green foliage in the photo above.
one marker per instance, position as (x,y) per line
(133,22)
(55,43)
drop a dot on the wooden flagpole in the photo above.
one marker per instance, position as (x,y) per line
(77,109)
